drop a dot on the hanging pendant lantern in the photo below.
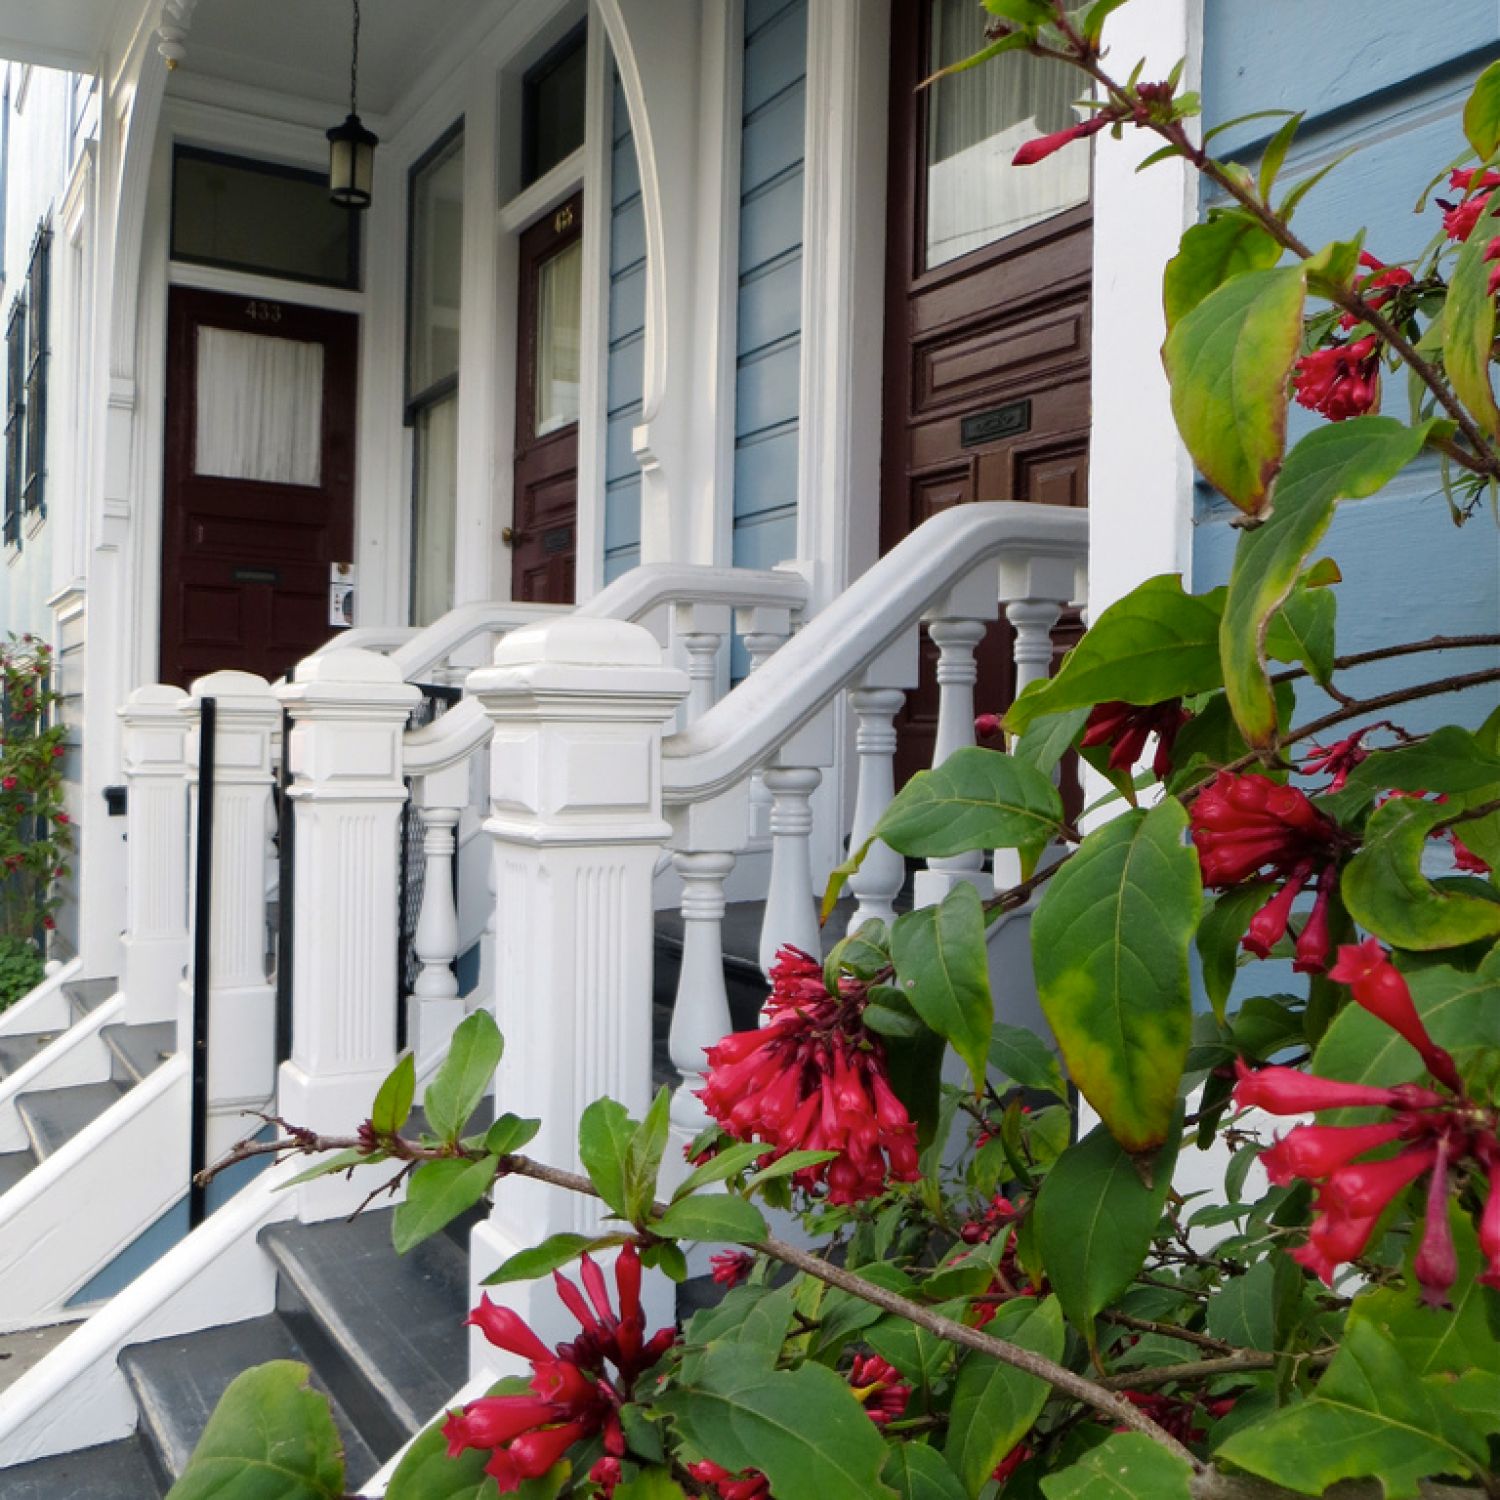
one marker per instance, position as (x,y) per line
(351,148)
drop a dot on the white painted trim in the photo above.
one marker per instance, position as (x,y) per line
(266,288)
(44,1008)
(1140,477)
(545,193)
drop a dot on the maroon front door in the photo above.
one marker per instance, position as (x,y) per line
(987,304)
(544,536)
(258,493)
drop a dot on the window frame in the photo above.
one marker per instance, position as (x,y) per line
(15,416)
(38,351)
(576,40)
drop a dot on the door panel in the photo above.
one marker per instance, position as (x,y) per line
(258,486)
(987,310)
(544,535)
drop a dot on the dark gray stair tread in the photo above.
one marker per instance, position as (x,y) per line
(88,994)
(18,1050)
(141,1049)
(387,1331)
(114,1471)
(178,1381)
(14,1165)
(52,1117)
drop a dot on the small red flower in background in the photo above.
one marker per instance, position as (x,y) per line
(1340,758)
(814,1078)
(1459,219)
(1044,146)
(1125,728)
(1378,287)
(730,1267)
(1010,1463)
(1434,1131)
(987,726)
(751,1485)
(62,817)
(606,1473)
(574,1395)
(1245,825)
(8,784)
(49,924)
(879,1386)
(1342,381)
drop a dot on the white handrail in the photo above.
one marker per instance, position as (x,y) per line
(739,732)
(451,737)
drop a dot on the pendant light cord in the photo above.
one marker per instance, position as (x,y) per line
(354,65)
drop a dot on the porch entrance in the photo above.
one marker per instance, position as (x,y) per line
(544,536)
(987,305)
(258,494)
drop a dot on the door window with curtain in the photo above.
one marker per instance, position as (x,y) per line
(977,121)
(435,210)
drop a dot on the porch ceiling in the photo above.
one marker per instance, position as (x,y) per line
(301,47)
(56,33)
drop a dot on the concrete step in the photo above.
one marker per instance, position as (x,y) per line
(84,995)
(385,1331)
(115,1471)
(18,1050)
(139,1050)
(52,1117)
(177,1383)
(14,1165)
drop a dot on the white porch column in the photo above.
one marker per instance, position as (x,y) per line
(348,711)
(242,1000)
(579,707)
(156,852)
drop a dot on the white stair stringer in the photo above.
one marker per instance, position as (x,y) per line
(77,1055)
(67,1218)
(44,1008)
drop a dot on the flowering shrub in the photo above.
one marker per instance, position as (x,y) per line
(35,835)
(1012,1293)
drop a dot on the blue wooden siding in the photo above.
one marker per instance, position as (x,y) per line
(1394,93)
(769,320)
(627,325)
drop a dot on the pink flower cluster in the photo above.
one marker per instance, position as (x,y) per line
(1125,728)
(814,1078)
(1341,381)
(1435,1131)
(574,1394)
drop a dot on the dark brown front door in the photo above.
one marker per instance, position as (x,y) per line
(987,302)
(258,493)
(544,536)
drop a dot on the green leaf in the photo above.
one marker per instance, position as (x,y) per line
(977,799)
(1342,461)
(1096,15)
(995,1404)
(1476,1393)
(1010,43)
(802,1428)
(1021,12)
(1224,923)
(466,1073)
(643,1160)
(1024,1058)
(1049,738)
(1243,1312)
(785,1165)
(340,1161)
(1109,945)
(1228,361)
(1482,113)
(1125,1466)
(1386,892)
(555,1251)
(1438,1341)
(1275,154)
(271,1437)
(605,1132)
(1369,1416)
(1094,1219)
(863,953)
(1332,269)
(650,1484)
(716,1218)
(1469,325)
(942,968)
(1211,254)
(920,1356)
(1482,835)
(509,1133)
(917,1472)
(721,1166)
(393,1102)
(438,1192)
(1449,759)
(1303,630)
(1156,643)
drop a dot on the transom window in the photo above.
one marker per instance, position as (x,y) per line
(552,107)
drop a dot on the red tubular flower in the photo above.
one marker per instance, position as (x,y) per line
(730,1267)
(1044,146)
(1339,759)
(1377,985)
(1242,824)
(606,1473)
(879,1386)
(532,1454)
(1332,1242)
(1010,1463)
(1363,1190)
(1288,1091)
(1268,925)
(506,1330)
(1126,727)
(751,1485)
(814,1078)
(1459,219)
(1315,941)
(1377,288)
(1316,1150)
(1489,1227)
(1340,382)
(492,1421)
(987,726)
(1436,1263)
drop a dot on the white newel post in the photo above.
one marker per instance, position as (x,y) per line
(156,938)
(241,998)
(348,711)
(957,624)
(435,1007)
(579,708)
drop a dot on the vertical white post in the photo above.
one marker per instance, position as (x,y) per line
(242,1000)
(579,706)
(701,629)
(763,628)
(877,700)
(156,852)
(957,624)
(434,1007)
(348,711)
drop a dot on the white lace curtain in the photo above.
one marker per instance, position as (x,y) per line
(260,408)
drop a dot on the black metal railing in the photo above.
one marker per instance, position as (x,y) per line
(202,949)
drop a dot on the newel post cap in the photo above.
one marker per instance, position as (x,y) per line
(576,656)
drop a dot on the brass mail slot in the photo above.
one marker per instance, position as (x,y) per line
(990,426)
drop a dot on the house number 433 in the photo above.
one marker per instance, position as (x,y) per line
(263,312)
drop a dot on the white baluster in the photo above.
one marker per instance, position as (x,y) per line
(763,628)
(700,1013)
(701,628)
(1034,621)
(878,880)
(791,905)
(434,1007)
